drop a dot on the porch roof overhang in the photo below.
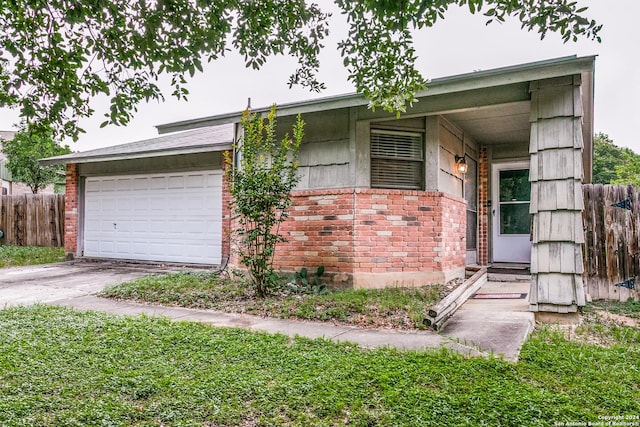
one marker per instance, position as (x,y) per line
(512,78)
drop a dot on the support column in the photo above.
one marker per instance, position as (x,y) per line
(71,211)
(483,209)
(556,195)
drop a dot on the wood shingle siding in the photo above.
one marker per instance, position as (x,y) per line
(556,195)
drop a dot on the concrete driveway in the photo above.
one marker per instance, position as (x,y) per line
(52,282)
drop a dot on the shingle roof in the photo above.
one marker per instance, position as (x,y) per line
(207,139)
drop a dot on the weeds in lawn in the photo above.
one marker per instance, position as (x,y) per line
(629,308)
(62,367)
(391,307)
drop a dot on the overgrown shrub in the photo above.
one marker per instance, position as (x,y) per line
(260,183)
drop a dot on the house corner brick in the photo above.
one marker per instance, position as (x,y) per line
(226,210)
(388,237)
(483,209)
(71,211)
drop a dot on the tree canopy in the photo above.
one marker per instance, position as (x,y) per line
(56,56)
(28,145)
(613,164)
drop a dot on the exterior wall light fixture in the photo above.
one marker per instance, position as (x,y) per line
(461,164)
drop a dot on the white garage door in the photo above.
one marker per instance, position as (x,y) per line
(173,217)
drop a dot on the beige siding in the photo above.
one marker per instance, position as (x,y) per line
(451,140)
(327,154)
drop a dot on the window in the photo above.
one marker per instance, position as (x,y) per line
(397,159)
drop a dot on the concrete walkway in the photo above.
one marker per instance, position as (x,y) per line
(479,328)
(498,326)
(368,338)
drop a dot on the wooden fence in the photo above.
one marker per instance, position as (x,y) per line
(612,241)
(32,220)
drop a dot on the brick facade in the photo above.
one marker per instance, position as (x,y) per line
(364,238)
(71,211)
(483,209)
(376,238)
(226,210)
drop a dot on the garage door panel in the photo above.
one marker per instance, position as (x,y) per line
(107,185)
(124,227)
(125,184)
(91,245)
(123,247)
(196,181)
(140,226)
(92,186)
(106,247)
(174,217)
(157,183)
(140,183)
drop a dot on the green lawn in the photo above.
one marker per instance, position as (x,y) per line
(60,367)
(392,307)
(13,256)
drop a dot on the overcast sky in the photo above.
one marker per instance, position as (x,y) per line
(459,44)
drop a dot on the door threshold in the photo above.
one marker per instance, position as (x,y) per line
(509,272)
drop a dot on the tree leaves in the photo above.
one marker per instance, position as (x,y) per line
(56,56)
(30,144)
(379,51)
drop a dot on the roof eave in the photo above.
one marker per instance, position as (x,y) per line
(568,65)
(140,155)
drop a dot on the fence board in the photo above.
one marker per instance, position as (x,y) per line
(32,219)
(612,241)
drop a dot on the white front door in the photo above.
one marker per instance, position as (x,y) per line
(510,211)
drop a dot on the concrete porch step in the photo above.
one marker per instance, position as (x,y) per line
(509,272)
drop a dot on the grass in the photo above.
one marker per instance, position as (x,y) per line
(630,308)
(14,256)
(393,307)
(60,367)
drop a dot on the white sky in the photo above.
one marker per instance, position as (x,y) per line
(459,44)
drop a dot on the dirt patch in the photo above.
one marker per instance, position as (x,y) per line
(601,328)
(618,319)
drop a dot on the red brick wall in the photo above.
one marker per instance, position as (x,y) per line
(320,232)
(226,210)
(409,231)
(375,237)
(483,210)
(71,211)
